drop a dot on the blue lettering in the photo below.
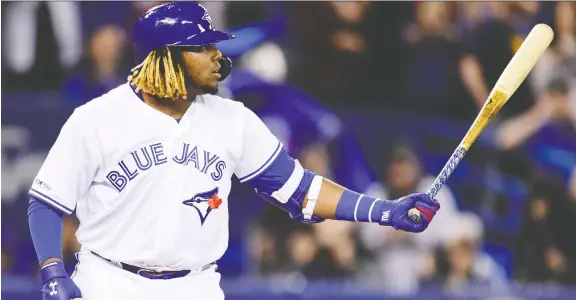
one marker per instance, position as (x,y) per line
(184,155)
(208,161)
(193,157)
(117,180)
(131,175)
(136,157)
(220,166)
(157,153)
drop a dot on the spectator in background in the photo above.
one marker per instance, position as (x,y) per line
(306,129)
(431,82)
(6,262)
(403,176)
(330,46)
(559,61)
(345,54)
(102,68)
(563,214)
(535,236)
(273,237)
(10,239)
(397,252)
(468,15)
(324,250)
(524,15)
(41,42)
(238,14)
(572,186)
(487,51)
(459,262)
(98,13)
(336,252)
(296,118)
(546,132)
(540,254)
(327,251)
(559,270)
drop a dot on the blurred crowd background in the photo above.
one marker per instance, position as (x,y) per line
(374,95)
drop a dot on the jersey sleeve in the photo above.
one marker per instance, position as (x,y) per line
(68,170)
(259,147)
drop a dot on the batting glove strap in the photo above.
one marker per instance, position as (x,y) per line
(428,212)
(53,270)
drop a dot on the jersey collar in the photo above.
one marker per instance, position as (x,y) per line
(139,95)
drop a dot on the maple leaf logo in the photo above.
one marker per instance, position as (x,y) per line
(215,201)
(204,203)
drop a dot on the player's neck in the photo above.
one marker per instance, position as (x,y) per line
(174,109)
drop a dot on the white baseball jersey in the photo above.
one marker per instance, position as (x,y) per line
(149,190)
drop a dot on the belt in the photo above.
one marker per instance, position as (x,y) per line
(151,274)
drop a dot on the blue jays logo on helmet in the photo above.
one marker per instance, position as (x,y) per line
(204,203)
(174,24)
(208,19)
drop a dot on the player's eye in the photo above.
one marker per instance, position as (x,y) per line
(200,49)
(197,49)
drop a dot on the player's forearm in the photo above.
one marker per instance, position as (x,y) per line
(46,231)
(327,199)
(310,198)
(339,203)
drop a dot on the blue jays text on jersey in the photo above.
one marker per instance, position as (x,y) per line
(153,155)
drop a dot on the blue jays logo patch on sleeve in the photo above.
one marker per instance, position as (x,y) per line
(204,203)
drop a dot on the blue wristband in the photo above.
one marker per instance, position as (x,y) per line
(357,207)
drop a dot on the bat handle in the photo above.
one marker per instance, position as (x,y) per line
(414,214)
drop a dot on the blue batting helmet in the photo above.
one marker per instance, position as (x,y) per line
(174,24)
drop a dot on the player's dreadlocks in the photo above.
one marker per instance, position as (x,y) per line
(160,75)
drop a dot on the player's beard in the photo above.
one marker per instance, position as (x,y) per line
(201,89)
(209,90)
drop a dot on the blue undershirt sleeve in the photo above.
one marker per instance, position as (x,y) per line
(45,225)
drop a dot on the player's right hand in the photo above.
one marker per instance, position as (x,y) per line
(56,284)
(395,212)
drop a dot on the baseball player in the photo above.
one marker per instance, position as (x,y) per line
(147,167)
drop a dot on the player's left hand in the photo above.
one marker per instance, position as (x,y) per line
(397,211)
(56,284)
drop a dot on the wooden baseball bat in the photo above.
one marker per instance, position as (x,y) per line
(514,74)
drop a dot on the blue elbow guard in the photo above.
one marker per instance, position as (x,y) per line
(293,206)
(285,185)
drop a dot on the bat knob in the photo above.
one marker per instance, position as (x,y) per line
(414,215)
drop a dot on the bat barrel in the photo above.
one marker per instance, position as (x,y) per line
(513,75)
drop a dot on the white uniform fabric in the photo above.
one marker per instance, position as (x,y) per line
(101,280)
(142,183)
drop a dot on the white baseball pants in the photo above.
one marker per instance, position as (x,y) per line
(99,279)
